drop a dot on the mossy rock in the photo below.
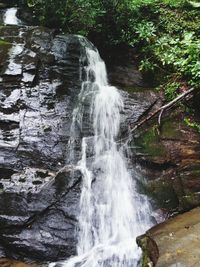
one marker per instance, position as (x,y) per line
(150,144)
(190,201)
(174,242)
(164,194)
(170,129)
(4,43)
(189,176)
(4,50)
(155,141)
(2,5)
(151,140)
(146,243)
(8,31)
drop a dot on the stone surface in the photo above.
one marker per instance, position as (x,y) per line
(41,225)
(175,242)
(127,76)
(170,155)
(39,84)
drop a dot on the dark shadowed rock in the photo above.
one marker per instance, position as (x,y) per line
(127,76)
(39,85)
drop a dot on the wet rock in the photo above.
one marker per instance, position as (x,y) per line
(39,85)
(26,15)
(174,242)
(31,98)
(136,103)
(38,215)
(127,76)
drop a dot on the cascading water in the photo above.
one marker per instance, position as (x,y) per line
(112,213)
(10,17)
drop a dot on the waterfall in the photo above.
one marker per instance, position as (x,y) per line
(112,213)
(10,17)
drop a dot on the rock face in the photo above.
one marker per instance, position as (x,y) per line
(170,155)
(127,76)
(173,243)
(39,84)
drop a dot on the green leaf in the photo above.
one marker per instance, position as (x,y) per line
(194,4)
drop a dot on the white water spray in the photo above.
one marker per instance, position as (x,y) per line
(112,213)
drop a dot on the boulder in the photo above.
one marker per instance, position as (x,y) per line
(173,243)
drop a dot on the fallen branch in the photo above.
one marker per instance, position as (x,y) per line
(161,109)
(160,115)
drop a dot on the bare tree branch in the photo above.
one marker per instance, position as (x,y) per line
(162,109)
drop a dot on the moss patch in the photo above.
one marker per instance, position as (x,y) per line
(170,129)
(190,201)
(142,243)
(144,259)
(150,143)
(195,171)
(3,42)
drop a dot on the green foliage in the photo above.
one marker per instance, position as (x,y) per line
(146,65)
(164,32)
(179,54)
(193,124)
(113,21)
(171,90)
(194,4)
(176,3)
(146,31)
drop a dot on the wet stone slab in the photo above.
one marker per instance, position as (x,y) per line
(175,242)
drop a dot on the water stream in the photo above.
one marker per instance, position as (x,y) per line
(112,213)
